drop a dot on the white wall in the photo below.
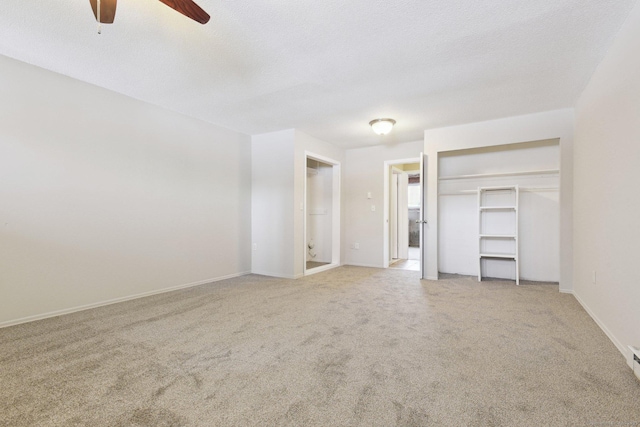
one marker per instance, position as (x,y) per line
(534,127)
(272,199)
(104,197)
(539,210)
(365,173)
(606,202)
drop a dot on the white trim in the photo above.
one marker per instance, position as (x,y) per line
(621,348)
(336,211)
(385,218)
(565,291)
(323,159)
(278,275)
(357,264)
(116,300)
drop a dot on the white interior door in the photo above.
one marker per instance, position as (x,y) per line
(422,220)
(393,216)
(403,215)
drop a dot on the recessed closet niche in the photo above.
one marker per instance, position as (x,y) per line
(319,213)
(531,166)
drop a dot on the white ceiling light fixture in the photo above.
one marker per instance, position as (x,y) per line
(382,126)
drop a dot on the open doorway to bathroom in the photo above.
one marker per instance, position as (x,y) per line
(322,214)
(409,259)
(403,212)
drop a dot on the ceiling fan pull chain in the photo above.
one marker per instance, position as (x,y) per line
(99,23)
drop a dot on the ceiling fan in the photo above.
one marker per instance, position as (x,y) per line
(107,11)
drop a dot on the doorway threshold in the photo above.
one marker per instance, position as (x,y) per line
(318,269)
(406,264)
(315,264)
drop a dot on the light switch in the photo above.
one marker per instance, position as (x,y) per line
(369,195)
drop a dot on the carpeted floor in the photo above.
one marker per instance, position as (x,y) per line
(347,347)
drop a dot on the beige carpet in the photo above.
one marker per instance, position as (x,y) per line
(347,347)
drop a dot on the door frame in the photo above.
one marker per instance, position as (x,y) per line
(388,164)
(398,214)
(335,214)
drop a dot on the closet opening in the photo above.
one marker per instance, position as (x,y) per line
(499,212)
(321,214)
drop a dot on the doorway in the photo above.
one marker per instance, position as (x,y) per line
(404,216)
(408,213)
(321,214)
(404,211)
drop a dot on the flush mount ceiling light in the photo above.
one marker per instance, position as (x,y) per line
(382,126)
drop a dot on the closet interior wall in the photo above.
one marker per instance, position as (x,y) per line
(534,167)
(319,209)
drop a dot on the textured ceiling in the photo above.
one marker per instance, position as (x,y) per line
(327,67)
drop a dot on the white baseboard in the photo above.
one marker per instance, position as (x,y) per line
(566,291)
(116,300)
(614,340)
(272,274)
(355,264)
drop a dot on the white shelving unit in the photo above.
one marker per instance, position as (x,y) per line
(498,225)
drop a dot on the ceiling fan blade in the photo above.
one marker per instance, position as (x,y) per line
(107,10)
(189,9)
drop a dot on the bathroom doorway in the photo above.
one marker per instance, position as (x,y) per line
(403,214)
(404,211)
